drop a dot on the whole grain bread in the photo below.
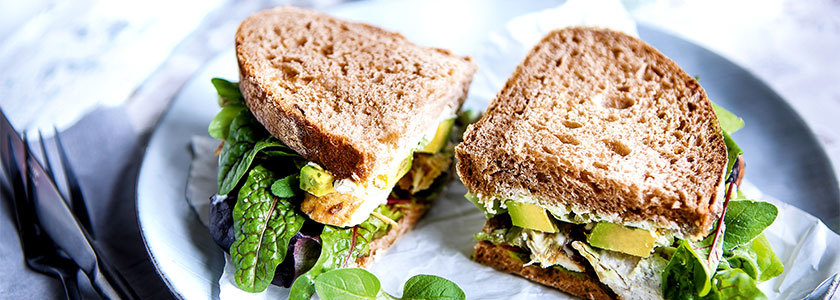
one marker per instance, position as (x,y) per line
(584,285)
(601,123)
(342,94)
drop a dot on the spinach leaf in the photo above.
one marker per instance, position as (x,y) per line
(503,236)
(233,168)
(263,225)
(347,284)
(734,284)
(359,284)
(467,117)
(304,286)
(757,259)
(220,125)
(746,219)
(228,92)
(340,247)
(688,273)
(729,122)
(488,212)
(287,187)
(732,152)
(244,132)
(769,265)
(430,287)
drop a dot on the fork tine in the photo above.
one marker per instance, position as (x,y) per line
(47,164)
(77,201)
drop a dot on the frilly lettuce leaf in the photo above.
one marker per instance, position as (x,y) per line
(734,284)
(757,259)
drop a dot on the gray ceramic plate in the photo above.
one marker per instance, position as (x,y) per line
(784,158)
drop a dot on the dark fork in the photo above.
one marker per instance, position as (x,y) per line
(74,196)
(39,252)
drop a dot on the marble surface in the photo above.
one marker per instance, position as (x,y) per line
(104,71)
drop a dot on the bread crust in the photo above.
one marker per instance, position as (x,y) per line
(583,285)
(345,95)
(602,123)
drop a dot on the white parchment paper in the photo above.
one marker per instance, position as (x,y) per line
(441,243)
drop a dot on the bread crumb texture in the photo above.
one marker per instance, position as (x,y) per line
(343,94)
(602,120)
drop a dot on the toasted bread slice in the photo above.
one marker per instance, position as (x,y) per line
(351,97)
(602,125)
(584,285)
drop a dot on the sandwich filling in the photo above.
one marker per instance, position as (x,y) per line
(345,202)
(642,260)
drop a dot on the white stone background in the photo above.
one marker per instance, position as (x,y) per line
(62,59)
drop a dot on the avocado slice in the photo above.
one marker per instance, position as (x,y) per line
(531,216)
(441,136)
(405,166)
(620,238)
(383,181)
(316,180)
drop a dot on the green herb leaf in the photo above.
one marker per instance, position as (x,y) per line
(263,226)
(757,259)
(735,284)
(732,152)
(228,92)
(503,236)
(745,220)
(220,125)
(488,212)
(688,272)
(242,147)
(769,265)
(243,133)
(347,284)
(468,117)
(340,247)
(287,187)
(430,287)
(729,122)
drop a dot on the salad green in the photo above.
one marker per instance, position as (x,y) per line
(359,284)
(745,220)
(746,255)
(340,247)
(263,224)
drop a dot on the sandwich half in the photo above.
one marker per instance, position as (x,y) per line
(335,141)
(598,160)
